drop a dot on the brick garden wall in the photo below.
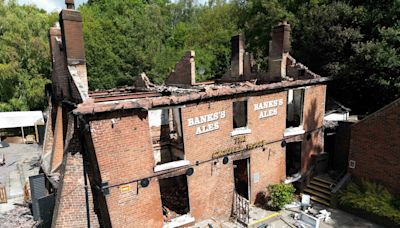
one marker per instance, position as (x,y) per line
(375,146)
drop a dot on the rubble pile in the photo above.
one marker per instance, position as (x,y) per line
(19,217)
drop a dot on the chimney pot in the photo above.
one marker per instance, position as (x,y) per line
(70,4)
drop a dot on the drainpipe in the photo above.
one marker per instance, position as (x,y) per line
(86,195)
(83,149)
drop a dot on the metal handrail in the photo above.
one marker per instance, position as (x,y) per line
(241,208)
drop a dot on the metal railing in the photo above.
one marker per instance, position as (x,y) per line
(241,208)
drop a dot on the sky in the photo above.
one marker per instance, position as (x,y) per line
(49,5)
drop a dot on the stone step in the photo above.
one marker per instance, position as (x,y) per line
(320,179)
(321,184)
(321,201)
(319,189)
(319,194)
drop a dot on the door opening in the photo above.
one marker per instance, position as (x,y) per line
(241,170)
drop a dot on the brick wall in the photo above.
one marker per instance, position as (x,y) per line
(70,209)
(313,118)
(214,199)
(375,144)
(60,75)
(184,72)
(124,153)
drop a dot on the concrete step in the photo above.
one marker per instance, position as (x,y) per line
(320,179)
(319,194)
(319,189)
(321,201)
(321,184)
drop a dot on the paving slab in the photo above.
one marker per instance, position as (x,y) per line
(21,162)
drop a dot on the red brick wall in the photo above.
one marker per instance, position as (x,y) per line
(124,153)
(313,118)
(214,199)
(375,144)
(70,209)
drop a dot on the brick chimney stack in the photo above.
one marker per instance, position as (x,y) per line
(72,34)
(278,52)
(237,56)
(74,51)
(60,72)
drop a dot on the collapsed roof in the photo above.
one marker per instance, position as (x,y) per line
(70,79)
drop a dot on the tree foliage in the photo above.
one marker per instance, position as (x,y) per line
(24,56)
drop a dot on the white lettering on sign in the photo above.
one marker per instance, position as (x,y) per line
(212,117)
(268,108)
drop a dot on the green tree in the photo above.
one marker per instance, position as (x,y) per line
(257,19)
(24,56)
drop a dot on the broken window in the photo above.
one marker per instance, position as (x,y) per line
(239,114)
(293,159)
(166,133)
(295,102)
(174,197)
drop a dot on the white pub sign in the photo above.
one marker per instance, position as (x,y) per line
(206,123)
(268,108)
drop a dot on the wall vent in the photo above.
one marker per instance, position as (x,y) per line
(352,164)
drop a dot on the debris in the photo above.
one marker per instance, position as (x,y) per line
(293,205)
(324,214)
(305,200)
(20,217)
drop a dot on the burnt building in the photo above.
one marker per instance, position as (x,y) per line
(173,155)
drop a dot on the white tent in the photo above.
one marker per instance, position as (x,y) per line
(21,120)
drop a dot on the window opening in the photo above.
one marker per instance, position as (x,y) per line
(174,197)
(166,134)
(293,159)
(239,114)
(295,105)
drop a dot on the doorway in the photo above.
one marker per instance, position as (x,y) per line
(241,171)
(293,159)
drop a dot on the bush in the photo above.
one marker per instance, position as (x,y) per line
(280,194)
(370,197)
